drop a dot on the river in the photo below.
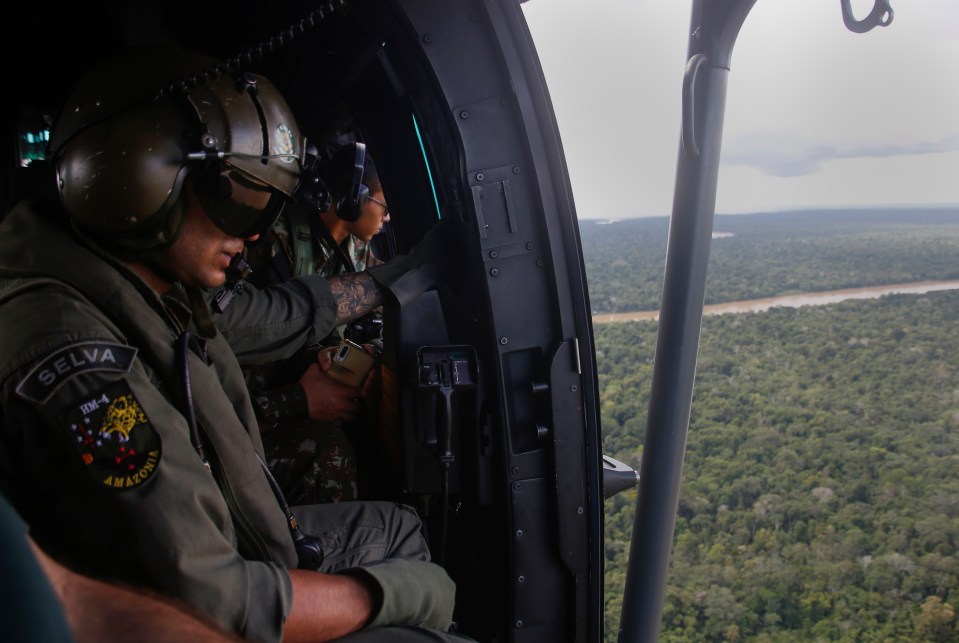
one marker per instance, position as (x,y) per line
(791,301)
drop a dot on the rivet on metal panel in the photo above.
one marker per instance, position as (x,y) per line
(494,271)
(516,169)
(427,38)
(464,114)
(504,341)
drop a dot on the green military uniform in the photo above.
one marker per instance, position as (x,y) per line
(314,462)
(263,326)
(97,455)
(300,244)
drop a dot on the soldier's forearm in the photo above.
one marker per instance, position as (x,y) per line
(356,294)
(327,606)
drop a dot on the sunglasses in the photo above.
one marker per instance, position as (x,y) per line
(386,208)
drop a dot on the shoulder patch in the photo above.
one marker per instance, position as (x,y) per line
(115,439)
(63,363)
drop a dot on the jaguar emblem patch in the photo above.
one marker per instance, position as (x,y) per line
(115,439)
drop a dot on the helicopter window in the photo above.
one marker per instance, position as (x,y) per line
(33,135)
(33,145)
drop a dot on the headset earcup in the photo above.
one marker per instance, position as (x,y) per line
(347,210)
(362,199)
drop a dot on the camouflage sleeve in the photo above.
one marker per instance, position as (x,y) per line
(362,254)
(276,406)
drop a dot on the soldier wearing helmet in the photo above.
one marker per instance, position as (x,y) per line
(129,443)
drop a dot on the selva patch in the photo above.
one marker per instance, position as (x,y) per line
(56,368)
(115,439)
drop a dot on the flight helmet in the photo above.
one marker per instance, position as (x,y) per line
(137,126)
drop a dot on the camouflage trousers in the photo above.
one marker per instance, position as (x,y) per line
(313,462)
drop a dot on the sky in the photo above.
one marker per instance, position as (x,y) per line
(816,116)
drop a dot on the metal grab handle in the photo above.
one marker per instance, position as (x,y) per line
(690,146)
(880,16)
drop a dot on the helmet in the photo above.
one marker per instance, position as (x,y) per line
(136,126)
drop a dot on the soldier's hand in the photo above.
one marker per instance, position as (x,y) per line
(325,358)
(328,400)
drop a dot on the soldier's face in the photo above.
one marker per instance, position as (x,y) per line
(202,251)
(372,218)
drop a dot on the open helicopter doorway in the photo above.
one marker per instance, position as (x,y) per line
(489,420)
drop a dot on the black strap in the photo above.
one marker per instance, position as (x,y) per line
(304,228)
(301,234)
(309,549)
(342,256)
(186,395)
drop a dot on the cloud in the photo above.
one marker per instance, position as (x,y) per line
(784,155)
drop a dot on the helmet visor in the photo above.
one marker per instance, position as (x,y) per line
(250,207)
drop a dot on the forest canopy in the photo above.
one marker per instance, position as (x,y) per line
(766,255)
(820,497)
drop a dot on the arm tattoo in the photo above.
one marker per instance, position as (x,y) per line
(356,294)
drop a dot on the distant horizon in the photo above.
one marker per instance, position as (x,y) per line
(786,210)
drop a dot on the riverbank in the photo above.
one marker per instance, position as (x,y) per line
(790,301)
